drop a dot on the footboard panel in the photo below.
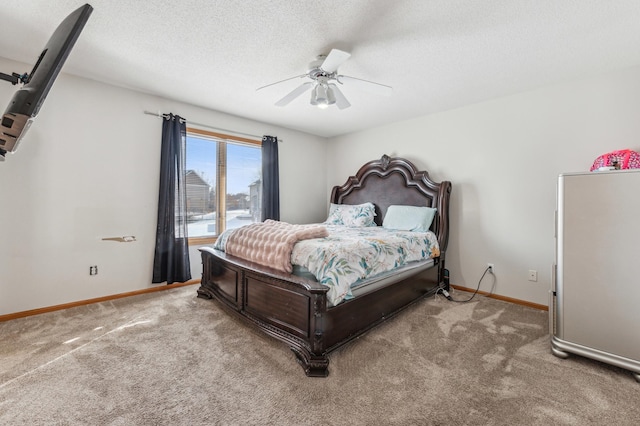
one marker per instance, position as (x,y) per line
(228,281)
(274,303)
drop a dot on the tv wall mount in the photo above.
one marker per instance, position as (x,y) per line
(15,78)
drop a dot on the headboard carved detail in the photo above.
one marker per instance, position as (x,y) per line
(384,161)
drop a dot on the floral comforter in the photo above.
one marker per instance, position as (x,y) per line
(351,254)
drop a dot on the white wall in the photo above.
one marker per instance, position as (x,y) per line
(87,169)
(503,158)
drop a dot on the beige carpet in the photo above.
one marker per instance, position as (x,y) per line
(169,358)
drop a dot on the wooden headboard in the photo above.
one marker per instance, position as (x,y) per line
(396,181)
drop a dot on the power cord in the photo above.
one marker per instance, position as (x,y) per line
(446,294)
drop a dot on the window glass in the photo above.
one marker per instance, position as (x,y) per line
(244,185)
(224,186)
(201,186)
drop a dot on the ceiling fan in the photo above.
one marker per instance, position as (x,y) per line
(323,73)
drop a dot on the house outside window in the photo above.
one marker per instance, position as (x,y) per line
(224,183)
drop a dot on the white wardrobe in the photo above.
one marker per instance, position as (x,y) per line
(595,296)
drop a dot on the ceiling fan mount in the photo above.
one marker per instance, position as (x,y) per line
(315,69)
(323,73)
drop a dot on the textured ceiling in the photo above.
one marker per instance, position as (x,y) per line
(436,54)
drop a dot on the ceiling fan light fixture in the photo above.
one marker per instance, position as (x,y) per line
(322,96)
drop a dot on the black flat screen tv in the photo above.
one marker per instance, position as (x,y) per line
(26,102)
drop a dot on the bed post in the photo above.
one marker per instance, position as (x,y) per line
(315,361)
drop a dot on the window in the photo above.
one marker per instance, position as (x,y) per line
(224,183)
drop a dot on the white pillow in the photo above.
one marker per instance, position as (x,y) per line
(351,215)
(409,218)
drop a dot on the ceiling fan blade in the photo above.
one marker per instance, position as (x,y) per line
(341,101)
(369,86)
(335,58)
(295,93)
(282,81)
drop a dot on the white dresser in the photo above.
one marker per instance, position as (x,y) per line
(595,296)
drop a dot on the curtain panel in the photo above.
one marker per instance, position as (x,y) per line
(270,179)
(171,259)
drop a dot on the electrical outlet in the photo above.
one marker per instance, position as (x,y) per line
(492,268)
(533,275)
(93,270)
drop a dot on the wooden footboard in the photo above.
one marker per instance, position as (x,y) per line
(286,307)
(294,309)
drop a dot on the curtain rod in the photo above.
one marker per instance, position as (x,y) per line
(160,115)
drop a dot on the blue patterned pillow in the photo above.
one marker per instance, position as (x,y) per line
(351,215)
(409,218)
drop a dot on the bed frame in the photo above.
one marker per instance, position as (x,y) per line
(294,309)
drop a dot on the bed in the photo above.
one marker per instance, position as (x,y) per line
(294,307)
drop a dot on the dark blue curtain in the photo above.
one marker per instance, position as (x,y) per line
(270,179)
(171,260)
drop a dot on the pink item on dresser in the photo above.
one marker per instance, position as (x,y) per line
(624,158)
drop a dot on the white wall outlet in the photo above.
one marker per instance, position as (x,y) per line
(93,270)
(533,275)
(492,268)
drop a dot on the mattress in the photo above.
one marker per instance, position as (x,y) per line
(384,279)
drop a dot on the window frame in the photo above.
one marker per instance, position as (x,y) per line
(221,176)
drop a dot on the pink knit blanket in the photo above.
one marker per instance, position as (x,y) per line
(270,243)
